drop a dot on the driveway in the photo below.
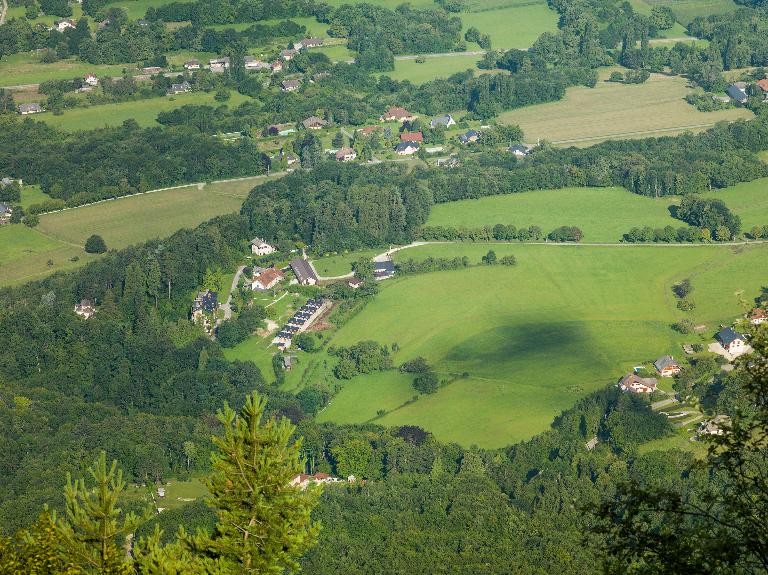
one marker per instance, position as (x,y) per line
(227,306)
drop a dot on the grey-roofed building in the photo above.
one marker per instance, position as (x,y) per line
(304,272)
(732,341)
(470,137)
(314,123)
(446,121)
(666,366)
(407,148)
(383,270)
(290,85)
(33,108)
(737,93)
(179,88)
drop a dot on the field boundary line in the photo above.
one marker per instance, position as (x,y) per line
(638,132)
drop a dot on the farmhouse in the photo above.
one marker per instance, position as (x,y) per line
(715,426)
(25,109)
(732,341)
(287,55)
(762,84)
(314,123)
(446,121)
(368,130)
(304,272)
(736,91)
(309,43)
(252,63)
(303,480)
(91,80)
(412,137)
(5,213)
(219,64)
(635,384)
(192,65)
(383,270)
(355,283)
(179,88)
(397,114)
(290,85)
(470,137)
(276,66)
(85,308)
(758,316)
(266,279)
(666,366)
(346,155)
(407,148)
(261,248)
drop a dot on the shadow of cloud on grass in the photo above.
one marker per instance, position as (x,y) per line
(529,342)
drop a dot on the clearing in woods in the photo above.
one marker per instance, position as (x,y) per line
(534,337)
(617,111)
(515,24)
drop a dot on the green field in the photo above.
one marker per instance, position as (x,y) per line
(603,214)
(26,68)
(515,26)
(32,195)
(341,264)
(136,9)
(143,111)
(687,10)
(611,110)
(534,338)
(129,220)
(337,52)
(748,200)
(434,67)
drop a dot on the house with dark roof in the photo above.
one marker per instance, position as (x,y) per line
(632,383)
(519,150)
(666,366)
(383,270)
(179,88)
(205,301)
(192,65)
(732,342)
(6,212)
(304,272)
(261,248)
(288,54)
(738,93)
(470,137)
(290,85)
(308,43)
(34,108)
(446,121)
(219,64)
(407,148)
(314,123)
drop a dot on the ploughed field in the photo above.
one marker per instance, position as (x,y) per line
(533,338)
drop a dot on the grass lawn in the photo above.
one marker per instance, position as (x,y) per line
(515,26)
(177,493)
(143,111)
(337,52)
(32,195)
(434,67)
(687,10)
(363,396)
(341,264)
(130,220)
(748,200)
(603,214)
(136,9)
(26,68)
(610,110)
(535,337)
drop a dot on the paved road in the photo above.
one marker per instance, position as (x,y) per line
(227,306)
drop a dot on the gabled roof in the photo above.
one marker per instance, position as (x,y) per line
(398,113)
(268,276)
(442,121)
(726,336)
(518,149)
(763,84)
(664,362)
(290,84)
(403,146)
(302,269)
(411,137)
(387,266)
(344,152)
(314,121)
(736,93)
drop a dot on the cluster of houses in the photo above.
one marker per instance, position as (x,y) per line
(90,81)
(665,366)
(301,321)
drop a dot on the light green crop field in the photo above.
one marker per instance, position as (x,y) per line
(434,67)
(687,10)
(336,52)
(391,4)
(534,338)
(611,110)
(603,214)
(129,220)
(514,26)
(748,200)
(143,111)
(26,68)
(136,9)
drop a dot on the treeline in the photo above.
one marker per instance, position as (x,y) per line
(206,12)
(499,232)
(111,162)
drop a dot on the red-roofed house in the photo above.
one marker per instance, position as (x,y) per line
(346,155)
(367,131)
(763,84)
(758,316)
(398,114)
(267,279)
(411,137)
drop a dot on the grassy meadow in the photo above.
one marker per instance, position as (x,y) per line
(687,10)
(611,110)
(603,214)
(340,264)
(433,67)
(535,337)
(748,200)
(143,111)
(517,24)
(60,236)
(26,68)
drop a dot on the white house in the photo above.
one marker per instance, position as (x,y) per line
(85,309)
(91,80)
(632,383)
(758,316)
(732,341)
(63,25)
(266,279)
(261,248)
(192,65)
(346,155)
(219,64)
(406,148)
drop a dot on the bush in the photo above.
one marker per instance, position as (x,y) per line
(415,365)
(306,342)
(686,304)
(426,382)
(31,220)
(95,245)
